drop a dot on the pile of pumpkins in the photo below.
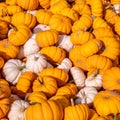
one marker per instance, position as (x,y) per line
(60,60)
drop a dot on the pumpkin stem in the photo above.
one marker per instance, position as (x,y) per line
(96,72)
(21,67)
(115,116)
(41,82)
(90,30)
(12,27)
(72,101)
(2,13)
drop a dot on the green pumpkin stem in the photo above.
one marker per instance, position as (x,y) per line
(72,101)
(115,116)
(96,72)
(21,67)
(41,82)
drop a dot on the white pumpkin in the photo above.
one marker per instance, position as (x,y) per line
(12,69)
(65,43)
(66,64)
(117,8)
(86,95)
(94,80)
(78,76)
(30,47)
(33,12)
(17,110)
(36,63)
(40,27)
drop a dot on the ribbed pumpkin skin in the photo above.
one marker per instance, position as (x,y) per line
(49,110)
(61,23)
(23,18)
(53,54)
(97,8)
(112,47)
(12,9)
(3,29)
(44,3)
(20,36)
(43,16)
(83,23)
(28,4)
(8,50)
(11,2)
(77,112)
(111,79)
(80,37)
(46,84)
(110,100)
(59,74)
(3,11)
(1,62)
(47,38)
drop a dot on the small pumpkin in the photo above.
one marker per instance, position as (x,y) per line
(28,4)
(60,75)
(3,11)
(61,23)
(11,2)
(53,54)
(44,3)
(43,16)
(17,110)
(36,63)
(1,62)
(51,109)
(47,38)
(46,84)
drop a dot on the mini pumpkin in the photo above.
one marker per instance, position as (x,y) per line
(11,2)
(19,35)
(1,62)
(44,3)
(3,11)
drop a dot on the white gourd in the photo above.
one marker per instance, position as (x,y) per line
(33,12)
(17,110)
(36,62)
(78,76)
(86,95)
(65,43)
(12,69)
(66,64)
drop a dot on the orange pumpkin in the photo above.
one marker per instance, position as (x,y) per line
(3,11)
(44,3)
(11,2)
(1,62)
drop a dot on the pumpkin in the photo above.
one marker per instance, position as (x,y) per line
(53,54)
(3,11)
(93,114)
(110,50)
(43,16)
(90,48)
(49,110)
(116,26)
(4,107)
(61,23)
(112,77)
(98,61)
(110,100)
(70,13)
(69,90)
(28,4)
(36,96)
(15,67)
(19,35)
(6,18)
(77,112)
(79,37)
(3,29)
(58,5)
(17,110)
(12,9)
(97,8)
(99,22)
(60,75)
(23,18)
(25,81)
(65,102)
(44,3)
(78,76)
(83,23)
(47,84)
(103,32)
(40,27)
(4,89)
(115,2)
(47,38)
(1,62)
(86,95)
(77,59)
(11,2)
(82,8)
(66,64)
(36,62)
(94,80)
(65,42)
(30,43)
(8,50)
